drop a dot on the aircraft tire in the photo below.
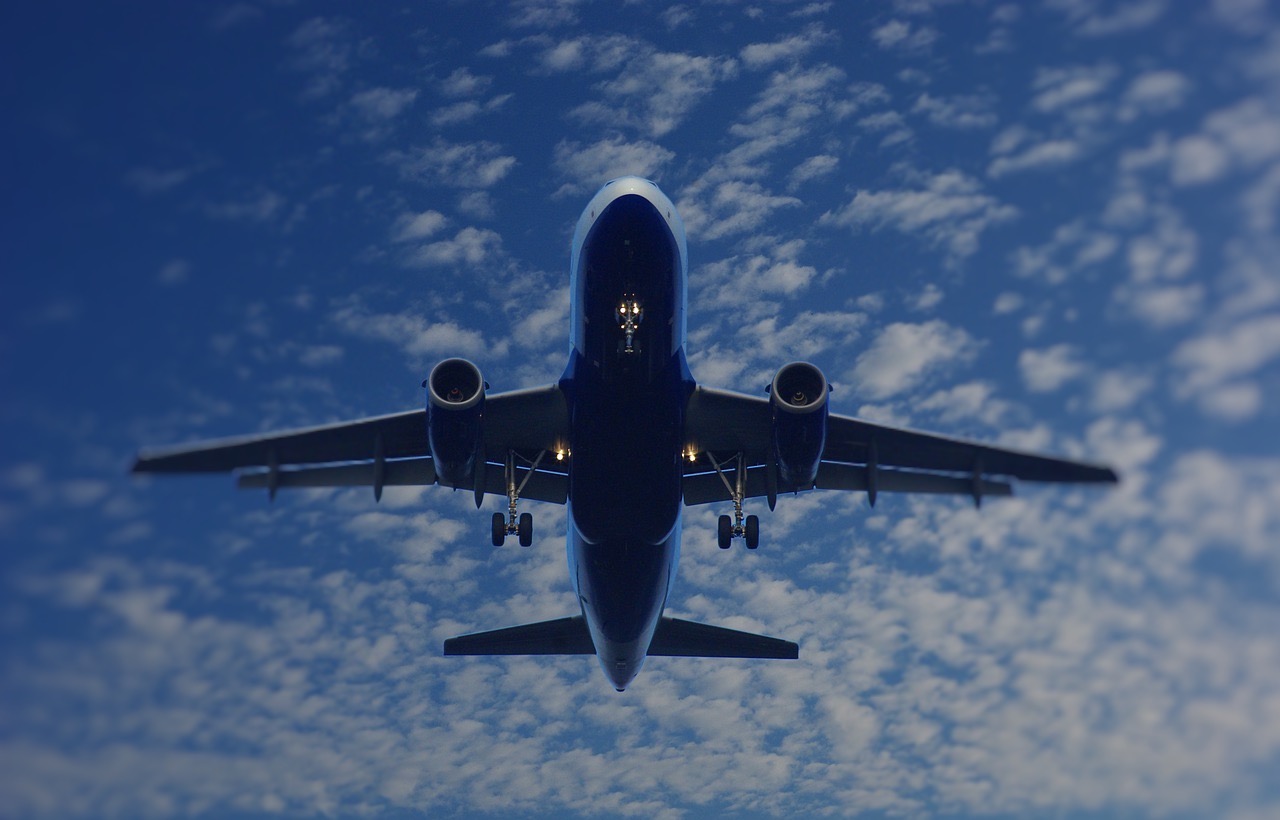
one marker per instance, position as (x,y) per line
(724,532)
(499,529)
(525,529)
(753,531)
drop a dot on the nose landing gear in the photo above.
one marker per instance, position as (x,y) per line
(745,527)
(629,314)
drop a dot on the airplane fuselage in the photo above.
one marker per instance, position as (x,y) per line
(626,384)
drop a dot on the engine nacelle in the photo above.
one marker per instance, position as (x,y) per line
(455,415)
(799,398)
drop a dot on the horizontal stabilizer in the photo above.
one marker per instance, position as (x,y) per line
(678,638)
(563,636)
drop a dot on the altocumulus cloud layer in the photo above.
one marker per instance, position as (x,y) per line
(1051,225)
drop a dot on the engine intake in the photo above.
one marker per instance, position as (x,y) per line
(798,395)
(455,414)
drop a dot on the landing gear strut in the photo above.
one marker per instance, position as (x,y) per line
(748,527)
(515,522)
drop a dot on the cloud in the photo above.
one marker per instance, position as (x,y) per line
(904,355)
(261,207)
(458,165)
(470,247)
(815,167)
(150,181)
(1130,15)
(1042,155)
(462,83)
(1154,92)
(656,90)
(1060,88)
(949,210)
(411,226)
(1047,370)
(901,35)
(1220,360)
(321,49)
(590,166)
(467,110)
(729,208)
(760,55)
(963,111)
(413,334)
(382,103)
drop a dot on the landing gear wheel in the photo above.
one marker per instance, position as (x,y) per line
(525,529)
(724,532)
(753,532)
(499,529)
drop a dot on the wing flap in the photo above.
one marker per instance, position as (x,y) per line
(405,473)
(688,639)
(563,636)
(707,488)
(833,476)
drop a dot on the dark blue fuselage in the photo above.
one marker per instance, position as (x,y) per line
(626,393)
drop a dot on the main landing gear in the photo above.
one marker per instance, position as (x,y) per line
(515,522)
(747,528)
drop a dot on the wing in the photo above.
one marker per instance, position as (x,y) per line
(383,450)
(861,455)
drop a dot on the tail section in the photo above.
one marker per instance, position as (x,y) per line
(673,637)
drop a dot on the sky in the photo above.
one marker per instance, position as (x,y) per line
(1050,225)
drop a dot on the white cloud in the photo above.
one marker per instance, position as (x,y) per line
(729,208)
(460,165)
(903,36)
(1217,357)
(904,355)
(963,111)
(473,247)
(411,226)
(415,335)
(462,83)
(383,103)
(656,90)
(1048,369)
(321,50)
(815,167)
(760,55)
(1041,155)
(1059,88)
(950,210)
(1129,15)
(1154,92)
(590,166)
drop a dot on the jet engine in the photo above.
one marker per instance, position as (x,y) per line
(455,412)
(798,395)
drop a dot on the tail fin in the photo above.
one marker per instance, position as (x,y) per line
(693,640)
(673,637)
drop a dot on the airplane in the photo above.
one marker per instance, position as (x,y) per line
(626,438)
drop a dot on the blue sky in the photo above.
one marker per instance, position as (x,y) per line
(1051,225)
